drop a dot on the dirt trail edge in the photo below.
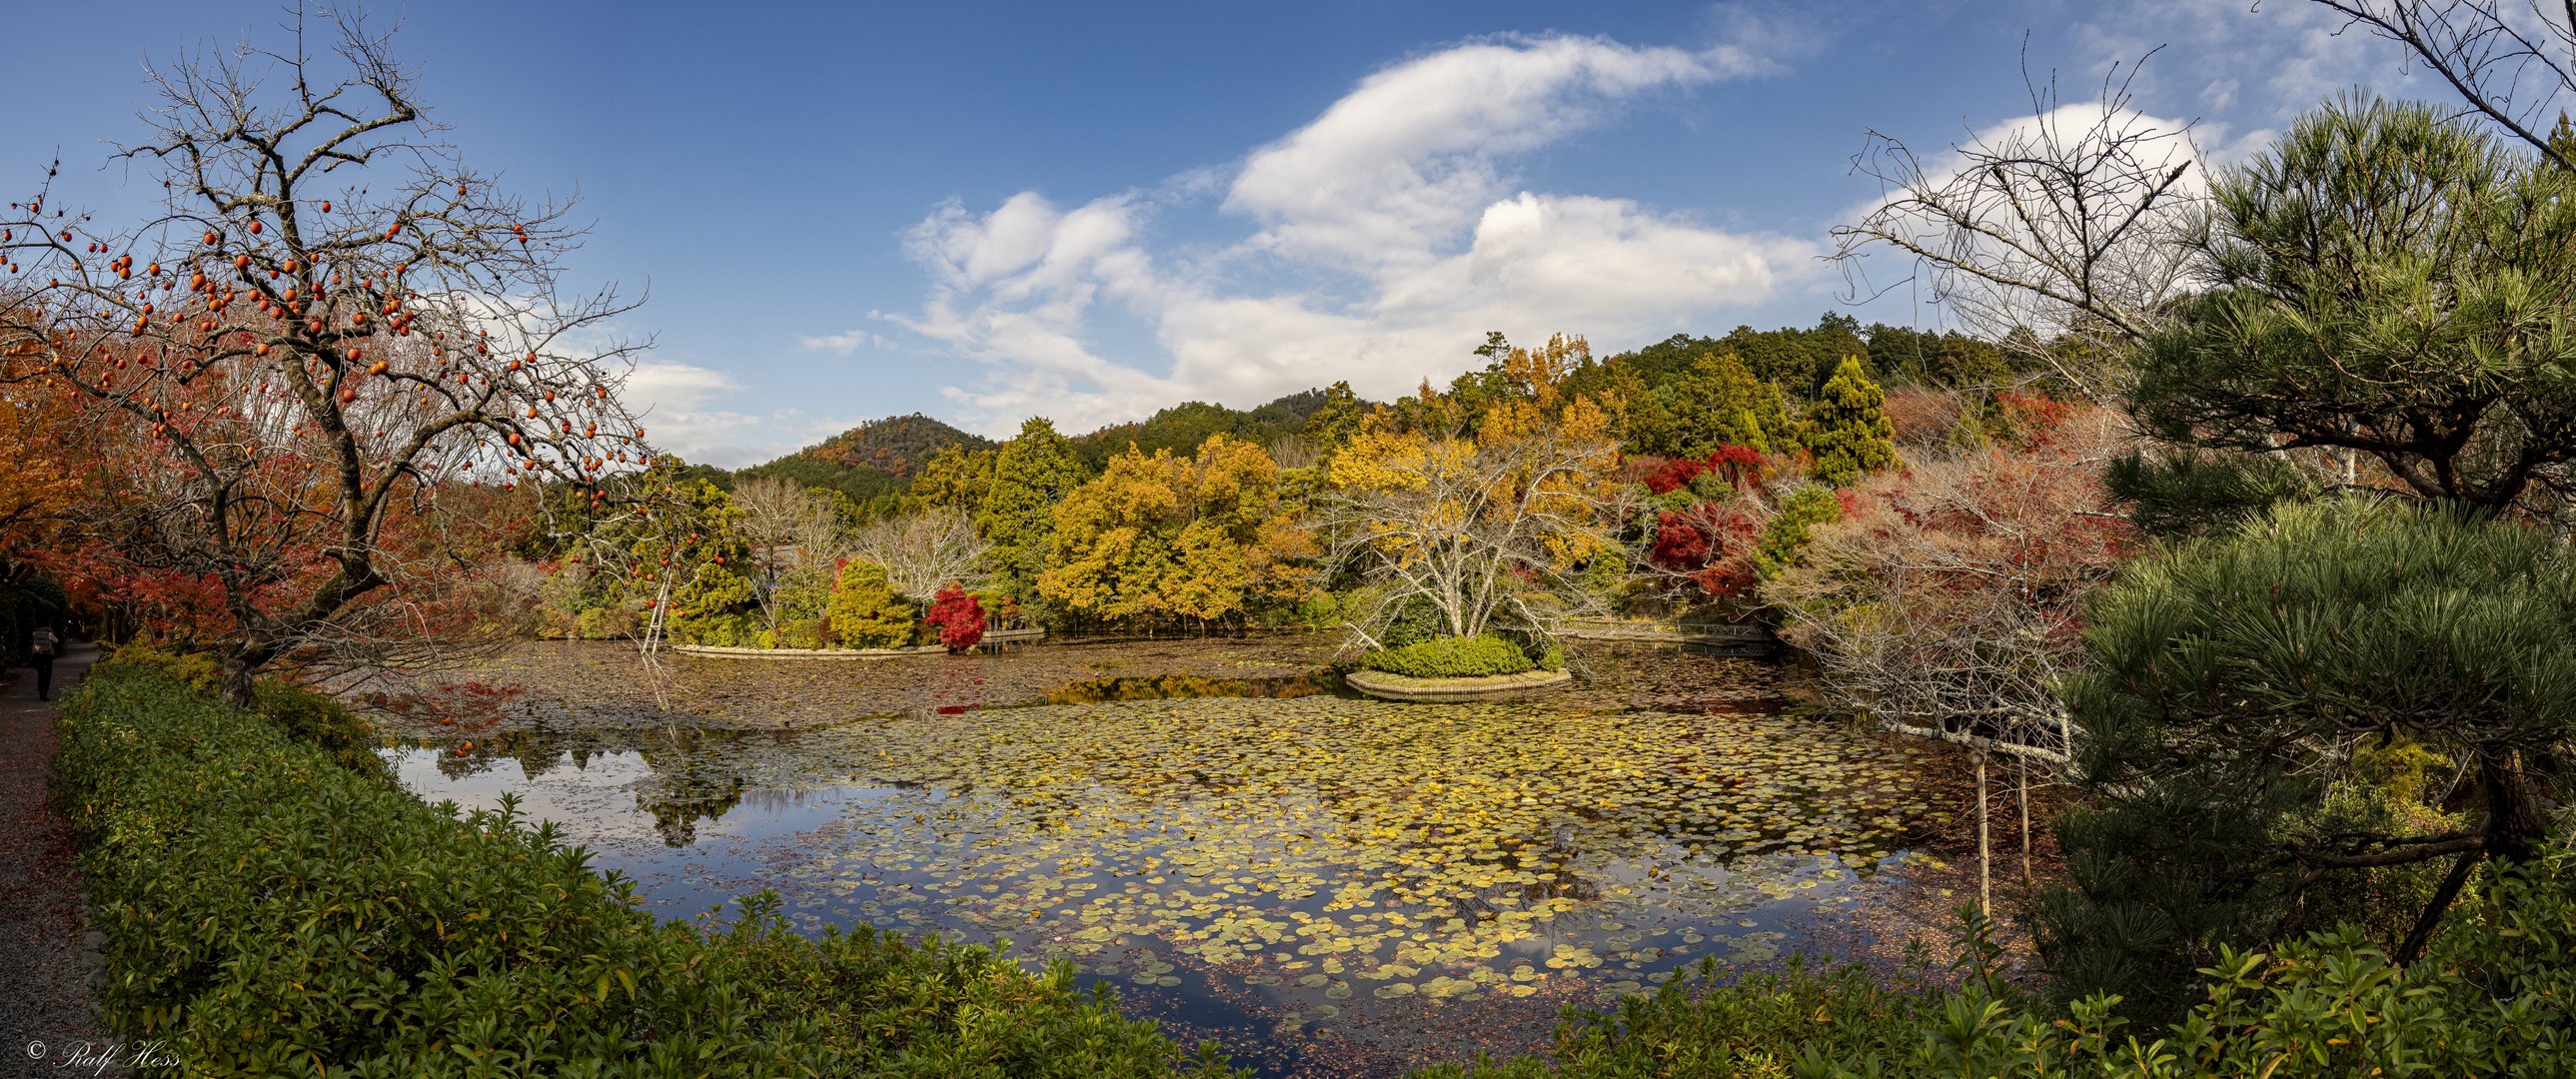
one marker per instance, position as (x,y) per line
(48,955)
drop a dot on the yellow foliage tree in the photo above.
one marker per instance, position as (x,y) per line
(1159,539)
(1490,530)
(866,612)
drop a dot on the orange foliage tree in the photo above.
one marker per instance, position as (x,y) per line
(331,322)
(40,446)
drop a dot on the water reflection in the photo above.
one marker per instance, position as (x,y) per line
(1261,857)
(1187,687)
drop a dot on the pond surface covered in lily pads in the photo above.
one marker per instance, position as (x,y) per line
(1327,884)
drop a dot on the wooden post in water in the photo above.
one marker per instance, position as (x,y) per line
(1985,846)
(2028,882)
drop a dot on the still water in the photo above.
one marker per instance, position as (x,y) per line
(1326,884)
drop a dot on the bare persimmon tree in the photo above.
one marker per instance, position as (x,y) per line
(2058,230)
(2511,61)
(330,321)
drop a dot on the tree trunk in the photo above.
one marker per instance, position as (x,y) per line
(2517,815)
(240,672)
(1985,847)
(2431,918)
(2516,826)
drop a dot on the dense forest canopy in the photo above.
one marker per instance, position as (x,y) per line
(875,462)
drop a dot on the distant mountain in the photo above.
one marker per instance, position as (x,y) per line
(1182,427)
(873,460)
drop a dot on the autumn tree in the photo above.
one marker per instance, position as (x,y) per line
(1948,603)
(2512,63)
(40,474)
(925,550)
(795,534)
(958,616)
(1497,530)
(2062,230)
(1157,539)
(866,611)
(1847,427)
(330,319)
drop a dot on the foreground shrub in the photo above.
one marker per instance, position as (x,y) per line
(1451,657)
(1704,1028)
(271,913)
(302,714)
(2496,995)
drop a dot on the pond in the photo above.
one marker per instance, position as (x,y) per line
(1325,884)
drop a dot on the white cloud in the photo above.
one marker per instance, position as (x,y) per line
(2264,63)
(844,343)
(682,412)
(1404,161)
(1395,215)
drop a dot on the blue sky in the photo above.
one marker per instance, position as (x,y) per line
(983,211)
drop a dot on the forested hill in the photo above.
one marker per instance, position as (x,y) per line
(876,460)
(1182,427)
(872,460)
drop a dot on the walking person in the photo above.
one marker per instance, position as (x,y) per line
(43,644)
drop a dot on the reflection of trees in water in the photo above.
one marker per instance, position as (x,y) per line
(693,774)
(1186,686)
(678,803)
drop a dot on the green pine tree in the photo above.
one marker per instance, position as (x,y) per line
(1332,425)
(2240,684)
(1847,427)
(1031,474)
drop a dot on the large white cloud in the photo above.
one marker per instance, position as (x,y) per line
(1394,214)
(1404,162)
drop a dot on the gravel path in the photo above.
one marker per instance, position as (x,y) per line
(48,956)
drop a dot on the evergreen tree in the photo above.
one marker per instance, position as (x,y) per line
(2393,283)
(957,477)
(1031,474)
(2238,680)
(1718,403)
(1847,427)
(1332,426)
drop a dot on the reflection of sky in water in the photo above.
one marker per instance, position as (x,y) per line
(1196,855)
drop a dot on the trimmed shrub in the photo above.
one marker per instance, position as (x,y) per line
(866,612)
(1414,621)
(958,617)
(317,719)
(1451,657)
(270,913)
(321,721)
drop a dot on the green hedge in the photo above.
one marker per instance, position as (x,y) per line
(2495,996)
(1451,657)
(269,912)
